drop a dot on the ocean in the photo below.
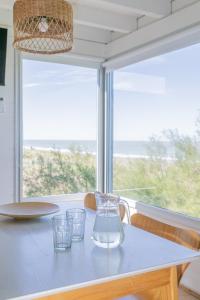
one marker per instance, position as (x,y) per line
(121,148)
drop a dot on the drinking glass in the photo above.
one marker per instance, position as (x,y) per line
(62,231)
(78,216)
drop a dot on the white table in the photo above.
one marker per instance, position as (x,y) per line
(29,266)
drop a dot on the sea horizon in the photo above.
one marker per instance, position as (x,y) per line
(121,148)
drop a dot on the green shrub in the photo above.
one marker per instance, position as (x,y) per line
(173,184)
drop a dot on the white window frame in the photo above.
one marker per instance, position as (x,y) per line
(105,126)
(93,64)
(147,52)
(18,150)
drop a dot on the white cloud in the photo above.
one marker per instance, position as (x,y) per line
(32,84)
(124,81)
(56,77)
(141,83)
(156,60)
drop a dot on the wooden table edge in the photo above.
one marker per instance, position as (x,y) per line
(52,294)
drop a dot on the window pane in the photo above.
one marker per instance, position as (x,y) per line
(157,131)
(59,128)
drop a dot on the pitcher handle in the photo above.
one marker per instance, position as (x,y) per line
(123,203)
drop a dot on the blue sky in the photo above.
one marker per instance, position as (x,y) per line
(60,101)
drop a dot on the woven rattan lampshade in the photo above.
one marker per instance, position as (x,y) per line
(43,26)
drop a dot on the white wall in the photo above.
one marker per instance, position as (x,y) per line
(7,121)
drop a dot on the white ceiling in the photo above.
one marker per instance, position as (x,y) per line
(154,8)
(100,23)
(115,16)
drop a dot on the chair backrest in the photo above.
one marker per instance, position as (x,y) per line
(184,237)
(90,202)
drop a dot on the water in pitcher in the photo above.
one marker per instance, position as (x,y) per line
(108,232)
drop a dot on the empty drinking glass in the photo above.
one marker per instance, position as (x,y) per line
(78,216)
(62,231)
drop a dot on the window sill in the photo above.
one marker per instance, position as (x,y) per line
(165,215)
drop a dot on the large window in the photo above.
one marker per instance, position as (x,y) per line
(59,128)
(157,131)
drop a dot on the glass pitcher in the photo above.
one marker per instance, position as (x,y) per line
(108,229)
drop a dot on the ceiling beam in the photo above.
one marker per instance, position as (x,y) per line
(173,24)
(103,19)
(67,58)
(84,54)
(89,49)
(92,34)
(151,8)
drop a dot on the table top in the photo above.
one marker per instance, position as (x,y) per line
(30,267)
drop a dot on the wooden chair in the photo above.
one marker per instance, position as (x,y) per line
(90,202)
(184,237)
